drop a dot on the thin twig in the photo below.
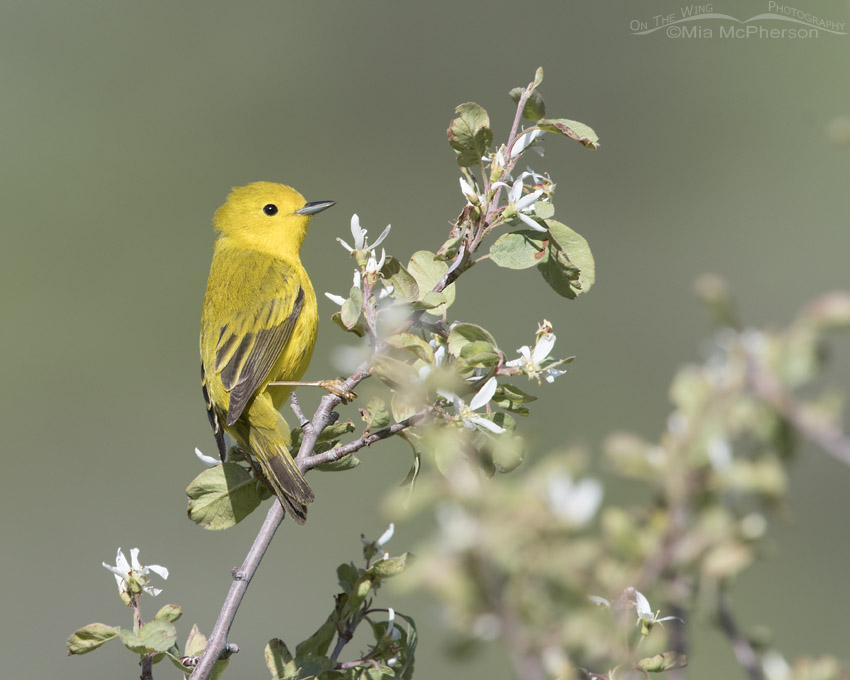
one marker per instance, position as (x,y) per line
(824,434)
(744,652)
(338,452)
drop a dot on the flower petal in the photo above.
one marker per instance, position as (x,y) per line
(209,461)
(485,394)
(486,424)
(531,223)
(159,570)
(383,235)
(543,348)
(337,299)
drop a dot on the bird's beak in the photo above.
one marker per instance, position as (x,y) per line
(314,207)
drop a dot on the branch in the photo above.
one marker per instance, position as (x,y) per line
(242,577)
(744,651)
(338,452)
(824,434)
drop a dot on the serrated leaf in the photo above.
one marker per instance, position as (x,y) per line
(520,249)
(392,566)
(430,301)
(335,431)
(573,129)
(427,271)
(90,637)
(277,656)
(404,285)
(132,641)
(222,496)
(159,636)
(534,108)
(375,415)
(319,642)
(663,662)
(470,134)
(559,271)
(170,612)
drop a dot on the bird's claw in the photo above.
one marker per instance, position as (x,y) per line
(337,388)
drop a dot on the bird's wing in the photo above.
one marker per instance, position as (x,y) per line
(265,302)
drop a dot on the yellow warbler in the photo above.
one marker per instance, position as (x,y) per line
(259,326)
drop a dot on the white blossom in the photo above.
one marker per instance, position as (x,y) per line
(524,140)
(573,502)
(131,576)
(466,413)
(645,615)
(531,360)
(522,205)
(359,237)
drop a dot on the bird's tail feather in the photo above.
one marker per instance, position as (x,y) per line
(282,472)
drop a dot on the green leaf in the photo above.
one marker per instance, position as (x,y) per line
(404,285)
(277,656)
(357,329)
(312,666)
(538,77)
(392,566)
(352,308)
(132,641)
(520,249)
(412,343)
(159,636)
(402,406)
(222,496)
(544,210)
(568,253)
(348,462)
(347,575)
(479,353)
(196,643)
(663,662)
(427,271)
(430,301)
(534,108)
(375,414)
(470,134)
(335,431)
(319,642)
(392,372)
(170,612)
(580,132)
(464,333)
(90,637)
(449,250)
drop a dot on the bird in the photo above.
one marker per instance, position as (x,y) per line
(259,326)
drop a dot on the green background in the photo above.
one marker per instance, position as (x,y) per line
(125,124)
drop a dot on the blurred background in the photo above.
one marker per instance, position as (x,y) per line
(124,126)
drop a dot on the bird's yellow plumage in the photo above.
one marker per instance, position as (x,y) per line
(259,326)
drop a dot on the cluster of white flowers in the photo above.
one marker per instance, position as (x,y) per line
(364,250)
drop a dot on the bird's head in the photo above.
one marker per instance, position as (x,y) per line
(267,216)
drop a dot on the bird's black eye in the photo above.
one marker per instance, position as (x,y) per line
(270,209)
